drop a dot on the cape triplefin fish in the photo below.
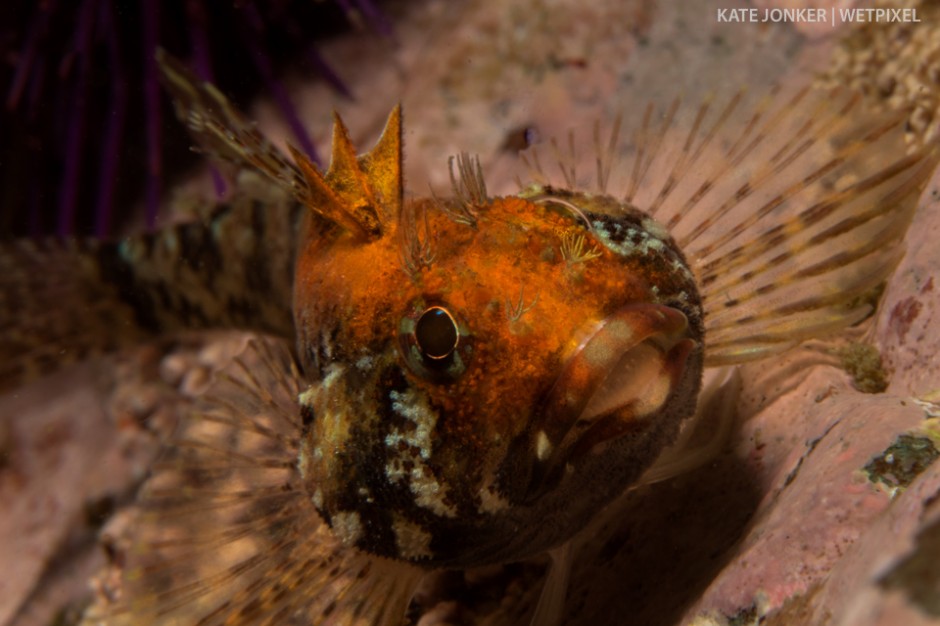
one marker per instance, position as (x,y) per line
(472,378)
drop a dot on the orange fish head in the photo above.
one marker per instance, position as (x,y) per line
(490,372)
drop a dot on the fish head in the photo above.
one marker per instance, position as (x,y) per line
(489,372)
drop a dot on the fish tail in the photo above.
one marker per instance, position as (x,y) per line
(65,300)
(226,533)
(56,307)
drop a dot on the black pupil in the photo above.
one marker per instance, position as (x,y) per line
(436,333)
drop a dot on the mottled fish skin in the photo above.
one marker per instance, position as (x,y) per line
(477,376)
(453,461)
(66,300)
(233,270)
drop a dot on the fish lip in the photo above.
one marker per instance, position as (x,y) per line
(568,426)
(591,364)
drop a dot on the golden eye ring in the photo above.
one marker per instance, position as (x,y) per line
(435,343)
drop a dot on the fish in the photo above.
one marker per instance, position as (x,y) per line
(451,382)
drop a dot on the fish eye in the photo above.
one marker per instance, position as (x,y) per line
(435,343)
(436,333)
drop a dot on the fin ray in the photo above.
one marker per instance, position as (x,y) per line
(211,549)
(790,207)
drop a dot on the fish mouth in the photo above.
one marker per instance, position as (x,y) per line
(615,386)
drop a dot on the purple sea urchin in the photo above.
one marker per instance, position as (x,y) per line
(83,112)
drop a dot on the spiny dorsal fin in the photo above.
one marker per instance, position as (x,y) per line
(221,131)
(363,193)
(383,165)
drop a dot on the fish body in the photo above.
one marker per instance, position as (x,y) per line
(414,459)
(472,378)
(66,300)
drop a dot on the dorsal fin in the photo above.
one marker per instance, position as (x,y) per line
(383,165)
(363,194)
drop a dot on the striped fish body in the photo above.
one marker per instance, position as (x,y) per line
(66,300)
